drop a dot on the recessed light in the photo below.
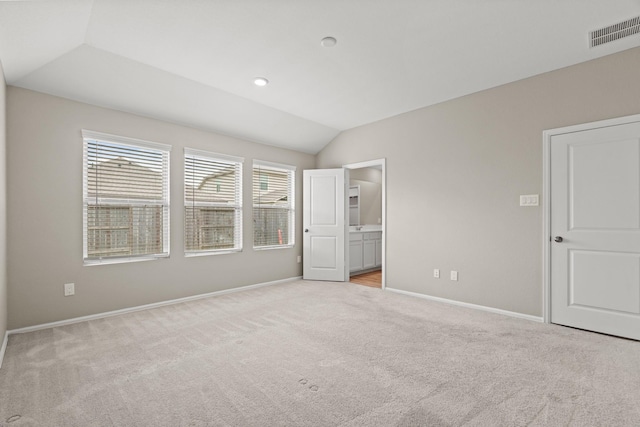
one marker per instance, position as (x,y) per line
(260,81)
(328,42)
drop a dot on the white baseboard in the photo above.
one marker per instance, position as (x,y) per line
(468,305)
(4,347)
(143,307)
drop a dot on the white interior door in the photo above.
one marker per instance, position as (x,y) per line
(595,229)
(325,224)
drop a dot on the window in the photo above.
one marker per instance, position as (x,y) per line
(273,205)
(212,203)
(126,198)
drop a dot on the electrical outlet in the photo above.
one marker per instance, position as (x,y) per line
(436,273)
(69,289)
(299,259)
(454,275)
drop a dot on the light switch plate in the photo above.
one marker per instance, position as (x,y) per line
(454,275)
(529,200)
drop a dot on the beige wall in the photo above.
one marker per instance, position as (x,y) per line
(45,215)
(3,207)
(455,172)
(370,182)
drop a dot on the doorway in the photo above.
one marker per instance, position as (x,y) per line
(367,245)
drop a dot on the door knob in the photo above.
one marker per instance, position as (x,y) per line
(306,230)
(558,239)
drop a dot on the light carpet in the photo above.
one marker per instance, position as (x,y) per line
(321,354)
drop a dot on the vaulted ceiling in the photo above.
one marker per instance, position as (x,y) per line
(194,61)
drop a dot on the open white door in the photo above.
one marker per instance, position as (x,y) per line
(325,226)
(595,229)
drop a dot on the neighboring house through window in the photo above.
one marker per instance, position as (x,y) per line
(126,198)
(264,182)
(273,205)
(212,202)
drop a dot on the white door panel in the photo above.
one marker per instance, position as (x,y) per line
(325,236)
(595,209)
(619,270)
(604,191)
(322,190)
(324,250)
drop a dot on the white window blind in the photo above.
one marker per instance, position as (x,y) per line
(212,202)
(273,205)
(126,198)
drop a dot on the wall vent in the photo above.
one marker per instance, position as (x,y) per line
(615,32)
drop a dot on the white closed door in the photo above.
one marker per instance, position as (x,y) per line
(325,225)
(595,229)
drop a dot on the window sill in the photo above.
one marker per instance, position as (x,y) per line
(208,253)
(268,248)
(91,263)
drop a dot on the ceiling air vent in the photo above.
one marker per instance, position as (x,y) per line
(615,32)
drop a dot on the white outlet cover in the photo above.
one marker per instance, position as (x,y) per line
(454,275)
(69,289)
(436,273)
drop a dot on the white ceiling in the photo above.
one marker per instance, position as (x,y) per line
(193,61)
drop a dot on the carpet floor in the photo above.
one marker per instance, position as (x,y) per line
(318,354)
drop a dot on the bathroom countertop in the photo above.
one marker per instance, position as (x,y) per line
(365,228)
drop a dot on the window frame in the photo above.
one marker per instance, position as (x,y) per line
(237,206)
(164,203)
(260,166)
